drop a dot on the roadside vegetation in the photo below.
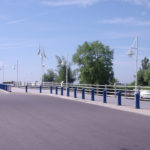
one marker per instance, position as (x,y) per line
(94,66)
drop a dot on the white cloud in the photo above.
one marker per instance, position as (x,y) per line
(138,2)
(89,2)
(15,21)
(128,21)
(69,2)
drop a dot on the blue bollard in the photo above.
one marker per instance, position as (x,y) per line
(6,87)
(119,98)
(83,93)
(137,100)
(51,89)
(68,91)
(41,89)
(62,90)
(56,90)
(26,89)
(92,95)
(75,92)
(104,96)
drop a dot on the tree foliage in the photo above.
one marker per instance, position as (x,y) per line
(50,76)
(144,73)
(95,63)
(61,69)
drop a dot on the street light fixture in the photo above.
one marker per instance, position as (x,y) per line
(130,54)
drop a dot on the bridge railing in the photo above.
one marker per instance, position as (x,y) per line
(112,90)
(5,87)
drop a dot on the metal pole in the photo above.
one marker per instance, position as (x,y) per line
(41,69)
(67,72)
(17,72)
(3,73)
(136,83)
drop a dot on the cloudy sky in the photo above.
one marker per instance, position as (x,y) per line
(61,25)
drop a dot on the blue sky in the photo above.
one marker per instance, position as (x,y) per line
(61,25)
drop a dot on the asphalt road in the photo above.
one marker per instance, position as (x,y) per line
(29,122)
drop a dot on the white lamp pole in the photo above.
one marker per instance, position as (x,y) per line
(3,72)
(15,67)
(42,55)
(130,53)
(17,71)
(67,72)
(66,63)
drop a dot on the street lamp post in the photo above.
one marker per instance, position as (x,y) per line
(15,67)
(42,55)
(2,68)
(65,62)
(130,53)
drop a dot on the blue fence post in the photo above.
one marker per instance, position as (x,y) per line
(40,88)
(6,87)
(75,92)
(51,89)
(92,95)
(68,91)
(26,89)
(83,93)
(62,90)
(119,98)
(137,100)
(56,90)
(104,96)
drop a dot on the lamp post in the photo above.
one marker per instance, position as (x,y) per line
(2,68)
(63,63)
(42,55)
(15,67)
(130,53)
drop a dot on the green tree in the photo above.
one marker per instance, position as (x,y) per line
(95,63)
(145,63)
(141,80)
(50,76)
(61,68)
(147,76)
(144,73)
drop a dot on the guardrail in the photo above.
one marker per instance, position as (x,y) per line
(112,90)
(74,91)
(5,87)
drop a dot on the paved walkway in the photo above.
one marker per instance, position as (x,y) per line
(127,104)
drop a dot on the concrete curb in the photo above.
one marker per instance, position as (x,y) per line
(3,91)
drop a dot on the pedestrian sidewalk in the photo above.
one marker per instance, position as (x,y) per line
(127,104)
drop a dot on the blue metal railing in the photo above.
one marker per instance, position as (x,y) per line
(5,87)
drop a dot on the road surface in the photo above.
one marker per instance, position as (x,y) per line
(30,122)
